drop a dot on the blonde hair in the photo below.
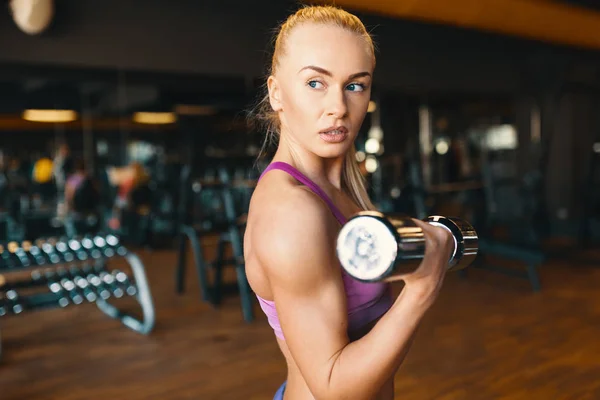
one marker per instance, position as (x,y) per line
(353,181)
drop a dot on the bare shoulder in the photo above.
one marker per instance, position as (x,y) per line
(293,231)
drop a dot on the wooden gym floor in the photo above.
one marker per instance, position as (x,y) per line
(488,337)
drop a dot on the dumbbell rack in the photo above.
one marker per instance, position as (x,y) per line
(61,272)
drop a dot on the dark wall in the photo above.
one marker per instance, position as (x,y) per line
(230,38)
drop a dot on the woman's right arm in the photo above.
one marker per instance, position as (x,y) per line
(295,245)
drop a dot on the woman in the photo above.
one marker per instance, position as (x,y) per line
(342,339)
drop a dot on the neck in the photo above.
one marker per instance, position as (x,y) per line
(323,171)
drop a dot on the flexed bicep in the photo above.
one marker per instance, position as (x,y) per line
(306,283)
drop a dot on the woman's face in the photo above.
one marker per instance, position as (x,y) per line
(321,88)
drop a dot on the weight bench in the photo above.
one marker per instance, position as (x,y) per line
(532,258)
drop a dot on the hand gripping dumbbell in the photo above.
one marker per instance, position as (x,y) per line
(372,246)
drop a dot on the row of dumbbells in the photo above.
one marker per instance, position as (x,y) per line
(65,287)
(57,251)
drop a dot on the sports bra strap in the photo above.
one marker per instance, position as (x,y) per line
(299,176)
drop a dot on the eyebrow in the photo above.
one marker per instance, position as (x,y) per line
(325,72)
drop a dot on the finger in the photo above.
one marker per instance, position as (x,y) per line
(429,233)
(396,278)
(428,228)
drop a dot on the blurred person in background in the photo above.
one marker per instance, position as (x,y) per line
(75,179)
(126,179)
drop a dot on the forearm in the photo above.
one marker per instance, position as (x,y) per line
(363,366)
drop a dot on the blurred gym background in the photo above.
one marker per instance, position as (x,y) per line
(126,120)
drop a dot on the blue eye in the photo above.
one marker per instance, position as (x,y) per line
(314,84)
(355,87)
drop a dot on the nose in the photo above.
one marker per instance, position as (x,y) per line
(337,106)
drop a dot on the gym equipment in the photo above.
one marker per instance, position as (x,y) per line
(501,202)
(512,202)
(228,228)
(73,271)
(372,246)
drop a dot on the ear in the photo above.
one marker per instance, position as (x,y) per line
(274,94)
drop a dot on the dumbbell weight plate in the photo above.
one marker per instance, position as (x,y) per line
(110,281)
(100,243)
(50,251)
(21,255)
(62,248)
(124,282)
(60,292)
(114,242)
(84,287)
(76,247)
(71,290)
(98,286)
(372,246)
(13,302)
(88,244)
(466,243)
(367,246)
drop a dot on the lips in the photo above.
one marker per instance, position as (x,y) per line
(340,129)
(334,134)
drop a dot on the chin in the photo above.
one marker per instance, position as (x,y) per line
(333,150)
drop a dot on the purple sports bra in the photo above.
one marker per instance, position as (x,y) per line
(366,301)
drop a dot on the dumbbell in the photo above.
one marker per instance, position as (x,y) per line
(99,246)
(124,283)
(8,258)
(61,293)
(20,254)
(12,302)
(110,281)
(86,288)
(32,252)
(49,251)
(61,284)
(372,246)
(88,245)
(63,248)
(17,255)
(76,247)
(109,245)
(98,286)
(116,245)
(68,280)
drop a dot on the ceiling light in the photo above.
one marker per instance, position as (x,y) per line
(155,118)
(49,115)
